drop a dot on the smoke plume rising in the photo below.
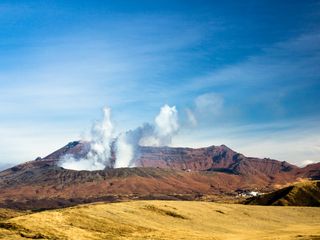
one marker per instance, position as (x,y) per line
(100,147)
(165,126)
(124,146)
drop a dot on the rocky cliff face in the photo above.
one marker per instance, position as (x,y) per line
(214,158)
(200,159)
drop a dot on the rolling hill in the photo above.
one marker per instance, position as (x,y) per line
(300,194)
(162,220)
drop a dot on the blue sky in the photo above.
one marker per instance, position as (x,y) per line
(242,74)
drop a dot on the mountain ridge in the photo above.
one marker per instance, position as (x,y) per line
(159,171)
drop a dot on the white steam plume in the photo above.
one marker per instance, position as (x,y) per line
(100,147)
(166,126)
(124,152)
(159,134)
(125,145)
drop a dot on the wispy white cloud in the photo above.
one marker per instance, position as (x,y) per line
(285,63)
(209,103)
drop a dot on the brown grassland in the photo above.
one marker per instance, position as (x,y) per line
(164,220)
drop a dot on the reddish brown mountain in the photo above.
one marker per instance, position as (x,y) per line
(160,172)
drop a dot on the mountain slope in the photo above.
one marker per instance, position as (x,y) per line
(161,172)
(301,194)
(213,158)
(52,187)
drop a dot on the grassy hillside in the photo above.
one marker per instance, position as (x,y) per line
(9,213)
(300,194)
(166,220)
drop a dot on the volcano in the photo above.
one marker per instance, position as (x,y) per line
(160,173)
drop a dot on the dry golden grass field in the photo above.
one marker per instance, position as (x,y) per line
(165,220)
